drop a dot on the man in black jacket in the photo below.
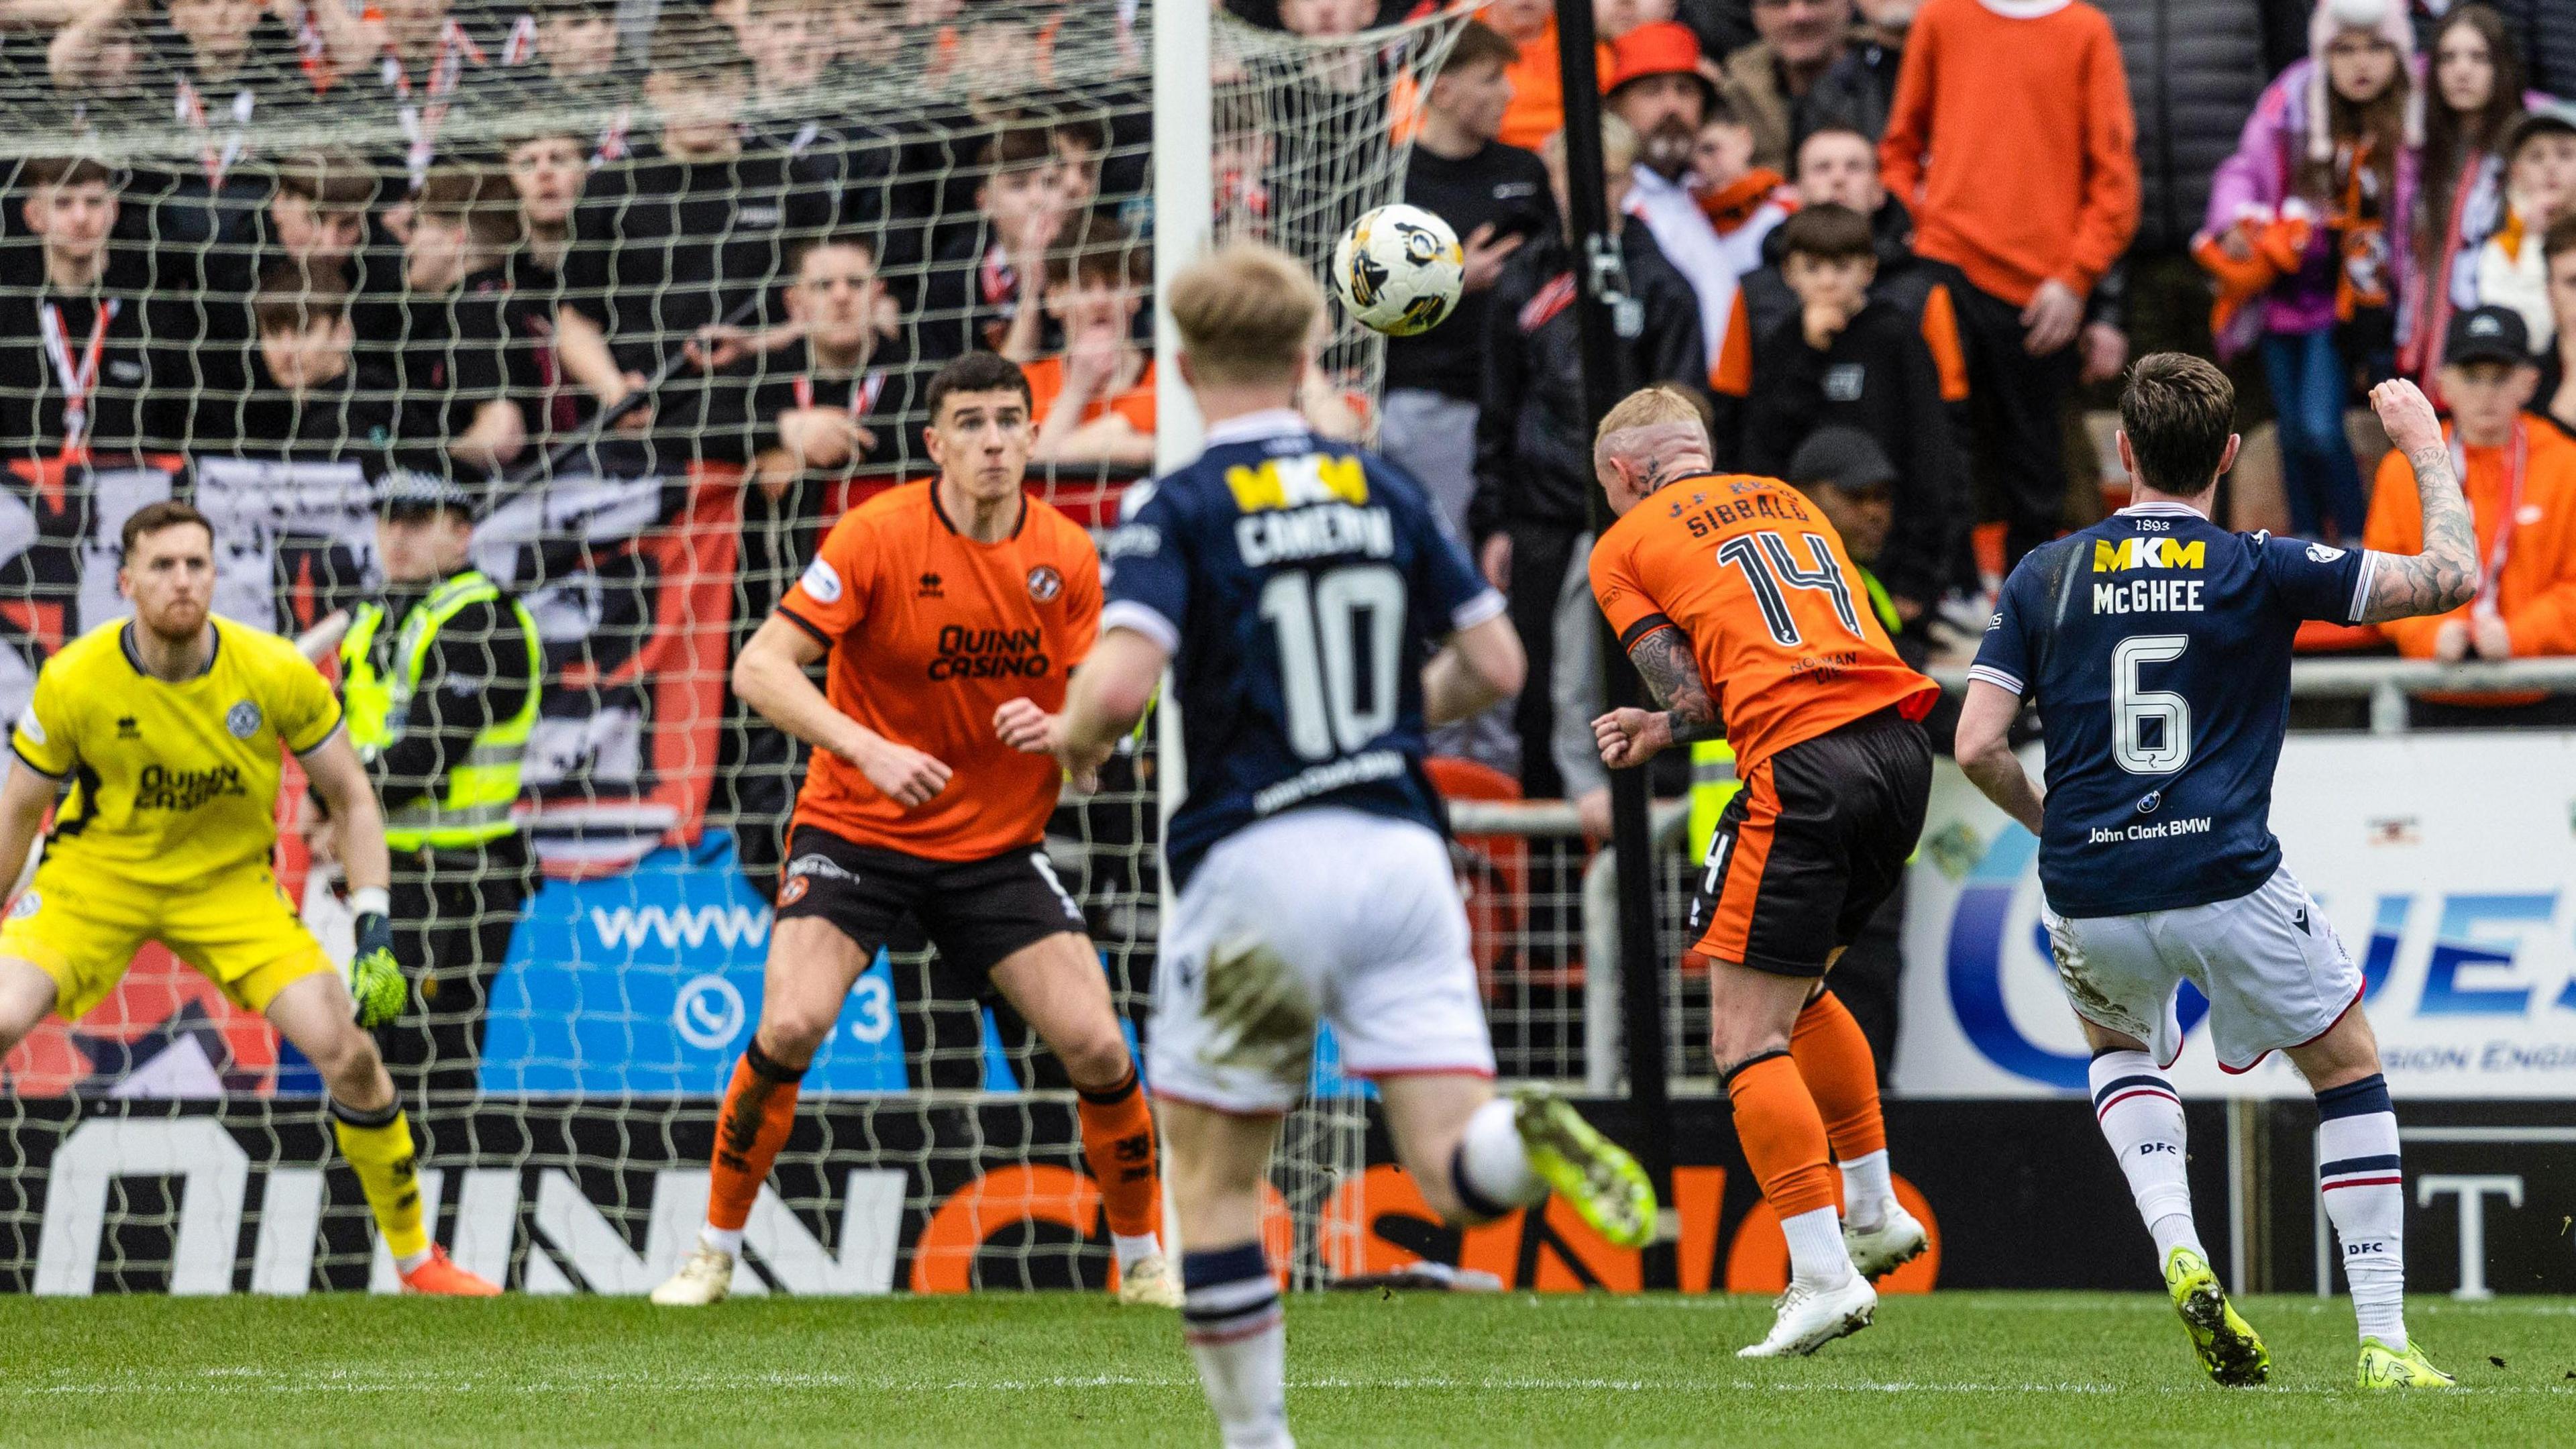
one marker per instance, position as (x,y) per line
(2195,68)
(1496,198)
(1853,360)
(1533,435)
(1856,89)
(701,225)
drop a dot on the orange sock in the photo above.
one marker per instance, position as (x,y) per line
(1783,1138)
(1841,1074)
(759,1108)
(1118,1142)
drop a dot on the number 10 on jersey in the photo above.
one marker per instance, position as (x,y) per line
(1341,639)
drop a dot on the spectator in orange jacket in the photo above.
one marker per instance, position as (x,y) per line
(2521,484)
(2012,139)
(1538,90)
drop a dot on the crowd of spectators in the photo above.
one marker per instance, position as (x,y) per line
(1897,239)
(1922,234)
(451,235)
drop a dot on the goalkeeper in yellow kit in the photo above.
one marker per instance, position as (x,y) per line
(167,728)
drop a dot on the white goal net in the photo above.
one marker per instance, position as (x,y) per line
(665,301)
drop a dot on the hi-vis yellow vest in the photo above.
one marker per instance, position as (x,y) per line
(480,788)
(1713,781)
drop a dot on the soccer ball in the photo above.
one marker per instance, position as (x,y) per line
(1400,270)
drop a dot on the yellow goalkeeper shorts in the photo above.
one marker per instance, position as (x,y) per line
(82,926)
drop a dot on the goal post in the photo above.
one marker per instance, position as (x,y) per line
(1325,123)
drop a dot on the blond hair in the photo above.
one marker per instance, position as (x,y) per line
(1618,147)
(1650,428)
(1650,407)
(1246,314)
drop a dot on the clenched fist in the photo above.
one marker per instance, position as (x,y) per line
(1632,736)
(2407,415)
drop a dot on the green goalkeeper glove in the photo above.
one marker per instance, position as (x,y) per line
(374,979)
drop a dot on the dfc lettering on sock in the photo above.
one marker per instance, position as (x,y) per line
(2365,1248)
(2149,1149)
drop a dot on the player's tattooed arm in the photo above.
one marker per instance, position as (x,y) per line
(1664,658)
(2444,574)
(1633,736)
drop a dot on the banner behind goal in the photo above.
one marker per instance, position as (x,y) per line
(522,223)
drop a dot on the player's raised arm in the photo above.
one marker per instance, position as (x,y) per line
(2445,573)
(770,677)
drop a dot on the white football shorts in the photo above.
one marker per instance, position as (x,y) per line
(1317,915)
(2274,971)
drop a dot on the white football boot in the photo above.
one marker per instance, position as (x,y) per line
(705,1278)
(1150,1283)
(1896,1241)
(1810,1318)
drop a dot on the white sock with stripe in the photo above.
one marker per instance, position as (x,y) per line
(2364,1189)
(2141,1117)
(1230,1314)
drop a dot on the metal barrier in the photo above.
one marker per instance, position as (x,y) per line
(1505,934)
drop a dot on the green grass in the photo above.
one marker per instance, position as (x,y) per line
(1060,1371)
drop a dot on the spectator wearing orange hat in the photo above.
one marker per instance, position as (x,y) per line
(2012,138)
(1656,85)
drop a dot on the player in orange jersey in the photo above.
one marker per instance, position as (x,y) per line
(1737,602)
(952,611)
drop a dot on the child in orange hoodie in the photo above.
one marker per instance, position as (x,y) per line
(2520,478)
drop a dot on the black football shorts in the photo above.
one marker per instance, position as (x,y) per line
(1812,845)
(976,912)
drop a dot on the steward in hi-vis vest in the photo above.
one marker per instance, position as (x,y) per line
(439,681)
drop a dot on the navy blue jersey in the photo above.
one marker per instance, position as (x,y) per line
(1300,586)
(2157,645)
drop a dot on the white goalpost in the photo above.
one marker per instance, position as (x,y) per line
(1325,118)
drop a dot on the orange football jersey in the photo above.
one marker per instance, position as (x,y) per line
(1778,619)
(930,632)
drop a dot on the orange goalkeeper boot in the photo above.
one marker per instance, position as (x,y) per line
(440,1276)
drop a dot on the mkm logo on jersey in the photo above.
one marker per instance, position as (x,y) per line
(1295,482)
(2148,553)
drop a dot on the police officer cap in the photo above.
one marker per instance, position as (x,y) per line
(410,492)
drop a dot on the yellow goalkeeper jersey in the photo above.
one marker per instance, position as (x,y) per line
(171,783)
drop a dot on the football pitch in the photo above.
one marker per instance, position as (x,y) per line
(1063,1371)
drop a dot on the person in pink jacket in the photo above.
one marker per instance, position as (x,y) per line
(2322,187)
